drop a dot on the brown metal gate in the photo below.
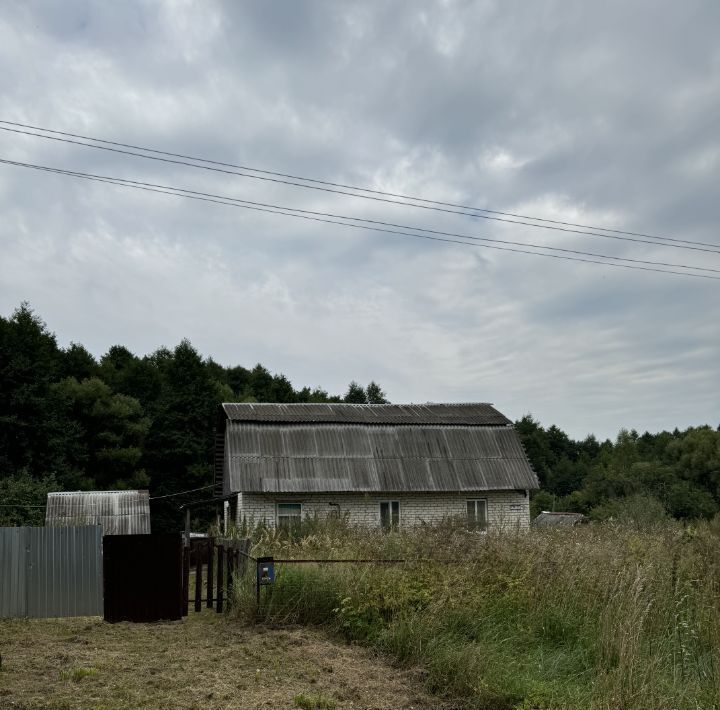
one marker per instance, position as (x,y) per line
(142,577)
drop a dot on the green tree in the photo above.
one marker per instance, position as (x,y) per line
(105,433)
(29,361)
(135,377)
(179,447)
(23,499)
(355,394)
(260,384)
(375,394)
(77,362)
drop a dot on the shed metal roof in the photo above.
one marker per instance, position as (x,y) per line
(548,519)
(119,512)
(473,414)
(360,457)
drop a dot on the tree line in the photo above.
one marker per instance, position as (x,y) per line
(71,422)
(637,475)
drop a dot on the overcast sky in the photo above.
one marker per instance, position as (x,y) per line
(600,113)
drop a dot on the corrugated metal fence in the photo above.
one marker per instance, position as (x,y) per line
(51,572)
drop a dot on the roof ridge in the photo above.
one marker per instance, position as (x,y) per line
(356,404)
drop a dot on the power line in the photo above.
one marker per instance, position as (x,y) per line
(169,495)
(182,493)
(345,186)
(277,209)
(165,189)
(666,241)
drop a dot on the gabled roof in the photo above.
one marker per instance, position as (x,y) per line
(297,448)
(119,512)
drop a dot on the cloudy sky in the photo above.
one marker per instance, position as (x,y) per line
(604,114)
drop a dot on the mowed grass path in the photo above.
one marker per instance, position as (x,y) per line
(206,661)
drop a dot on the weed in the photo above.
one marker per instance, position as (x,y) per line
(314,702)
(77,674)
(603,616)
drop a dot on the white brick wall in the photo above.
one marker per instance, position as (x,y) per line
(505,509)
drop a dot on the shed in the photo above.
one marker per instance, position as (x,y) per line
(118,512)
(548,519)
(375,464)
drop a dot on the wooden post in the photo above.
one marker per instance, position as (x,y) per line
(220,561)
(186,580)
(187,527)
(230,573)
(211,559)
(198,581)
(257,587)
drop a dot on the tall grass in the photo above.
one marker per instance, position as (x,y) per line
(602,616)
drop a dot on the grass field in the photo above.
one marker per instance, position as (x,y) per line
(607,617)
(602,616)
(206,661)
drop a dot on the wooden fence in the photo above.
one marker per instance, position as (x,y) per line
(210,567)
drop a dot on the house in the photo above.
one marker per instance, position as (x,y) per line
(378,465)
(119,512)
(548,519)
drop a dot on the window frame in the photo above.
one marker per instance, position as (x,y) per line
(393,526)
(291,518)
(475,525)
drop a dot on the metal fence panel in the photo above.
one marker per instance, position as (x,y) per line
(13,598)
(51,572)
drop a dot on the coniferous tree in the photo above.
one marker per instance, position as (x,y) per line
(375,394)
(355,394)
(29,361)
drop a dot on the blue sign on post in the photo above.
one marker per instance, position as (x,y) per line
(265,575)
(265,570)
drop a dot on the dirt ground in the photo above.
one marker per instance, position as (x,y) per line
(205,661)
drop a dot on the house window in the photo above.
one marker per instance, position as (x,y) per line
(389,515)
(477,514)
(289,515)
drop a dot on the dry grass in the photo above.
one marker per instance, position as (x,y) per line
(206,661)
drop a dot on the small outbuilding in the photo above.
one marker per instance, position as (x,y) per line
(383,465)
(548,519)
(118,512)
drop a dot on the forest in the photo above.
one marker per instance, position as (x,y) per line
(71,422)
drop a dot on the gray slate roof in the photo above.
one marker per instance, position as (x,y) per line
(374,448)
(548,519)
(119,512)
(455,414)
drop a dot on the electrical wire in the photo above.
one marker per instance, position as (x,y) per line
(182,493)
(340,185)
(169,495)
(276,209)
(165,188)
(662,241)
